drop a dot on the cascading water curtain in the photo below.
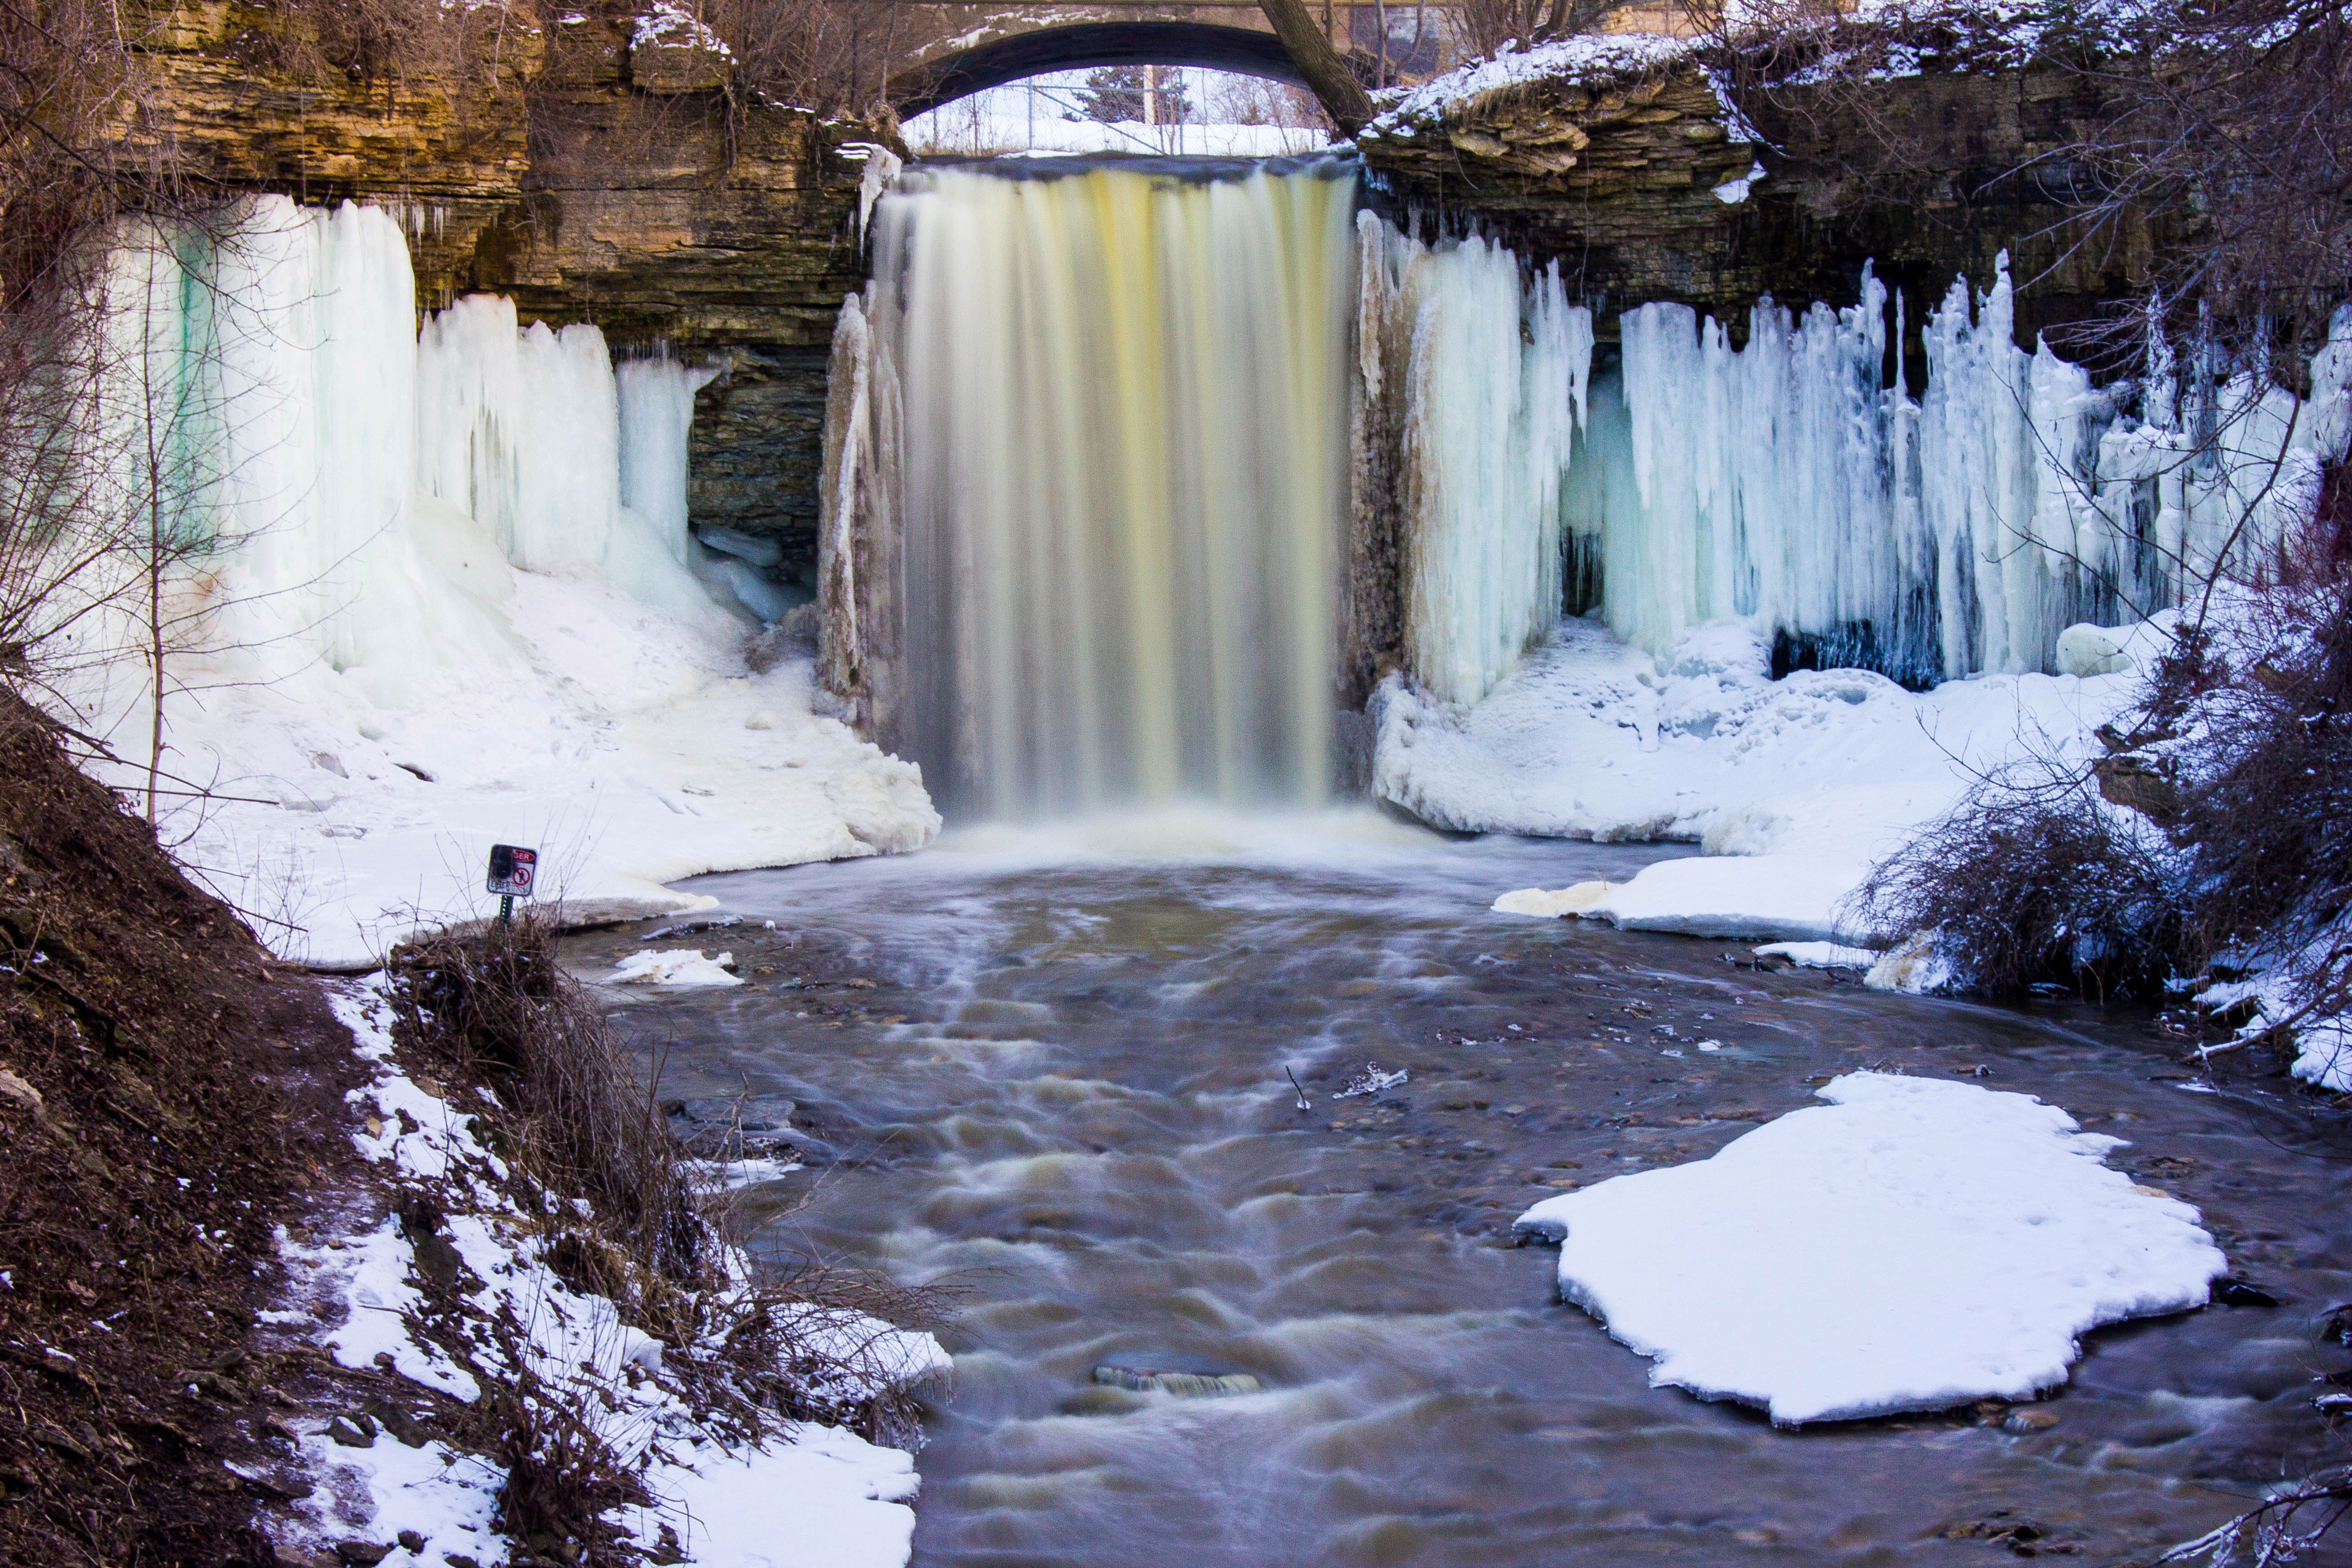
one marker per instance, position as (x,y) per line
(1118,419)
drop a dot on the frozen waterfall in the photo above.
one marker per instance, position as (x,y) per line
(1492,369)
(1787,484)
(337,484)
(1113,413)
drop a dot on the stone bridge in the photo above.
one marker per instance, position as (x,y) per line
(964,49)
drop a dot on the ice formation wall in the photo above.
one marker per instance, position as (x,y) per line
(1116,413)
(1788,484)
(346,487)
(1492,371)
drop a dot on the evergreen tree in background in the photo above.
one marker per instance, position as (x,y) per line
(1114,95)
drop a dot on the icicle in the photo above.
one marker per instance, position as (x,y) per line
(655,400)
(1497,375)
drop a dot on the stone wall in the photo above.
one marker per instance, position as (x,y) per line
(1623,178)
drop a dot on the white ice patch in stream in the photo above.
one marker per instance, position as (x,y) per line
(681,966)
(1821,954)
(825,1496)
(439,593)
(1913,1244)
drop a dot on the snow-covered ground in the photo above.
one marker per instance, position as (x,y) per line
(818,1495)
(630,746)
(1913,1244)
(1791,788)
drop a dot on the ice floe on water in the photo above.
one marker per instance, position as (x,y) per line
(1821,954)
(677,966)
(1911,1245)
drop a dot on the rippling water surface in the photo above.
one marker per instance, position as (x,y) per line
(1064,1094)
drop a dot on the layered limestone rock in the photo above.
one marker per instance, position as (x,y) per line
(1633,171)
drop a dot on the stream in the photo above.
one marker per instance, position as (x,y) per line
(1047,1070)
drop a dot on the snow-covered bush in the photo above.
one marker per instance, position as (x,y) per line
(2211,849)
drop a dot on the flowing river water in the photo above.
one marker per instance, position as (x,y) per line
(1048,1072)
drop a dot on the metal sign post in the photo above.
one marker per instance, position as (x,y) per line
(513,870)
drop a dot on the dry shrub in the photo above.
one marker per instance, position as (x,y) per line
(829,1332)
(2270,821)
(2233,118)
(2034,883)
(808,1342)
(1488,24)
(563,1477)
(2249,718)
(836,56)
(497,998)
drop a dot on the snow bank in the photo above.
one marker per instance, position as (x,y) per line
(1792,788)
(842,1503)
(1762,895)
(1591,57)
(1910,1246)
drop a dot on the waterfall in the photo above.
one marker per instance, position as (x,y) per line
(1112,412)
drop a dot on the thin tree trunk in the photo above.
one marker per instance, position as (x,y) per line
(154,564)
(1342,96)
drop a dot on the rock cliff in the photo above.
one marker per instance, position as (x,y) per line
(1634,172)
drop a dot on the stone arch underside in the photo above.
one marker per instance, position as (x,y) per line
(1085,46)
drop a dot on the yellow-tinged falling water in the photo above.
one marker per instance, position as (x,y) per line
(1122,462)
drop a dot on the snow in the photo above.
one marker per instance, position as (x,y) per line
(828,1500)
(1589,57)
(1731,193)
(2324,1054)
(1916,966)
(681,966)
(1736,896)
(1790,788)
(847,1499)
(1553,903)
(1911,1245)
(448,599)
(666,24)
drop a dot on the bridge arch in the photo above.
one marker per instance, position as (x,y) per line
(1085,46)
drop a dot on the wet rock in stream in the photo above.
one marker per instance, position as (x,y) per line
(1185,1375)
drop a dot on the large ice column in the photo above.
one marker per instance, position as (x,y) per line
(1495,377)
(322,486)
(1766,480)
(520,428)
(655,405)
(260,414)
(1493,368)
(1784,484)
(1118,419)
